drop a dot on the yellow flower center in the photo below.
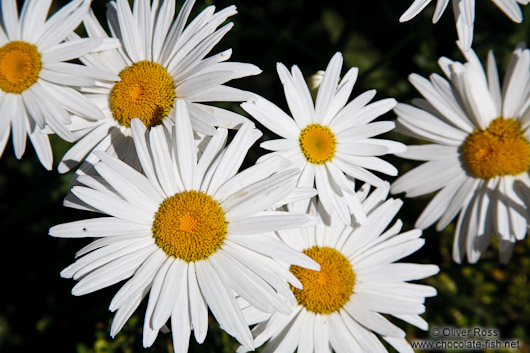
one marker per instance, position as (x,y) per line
(500,150)
(20,65)
(190,226)
(146,91)
(328,290)
(317,143)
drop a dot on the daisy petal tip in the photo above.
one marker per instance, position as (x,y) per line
(404,18)
(436,269)
(66,273)
(399,148)
(392,102)
(312,221)
(414,77)
(393,190)
(337,56)
(101,155)
(78,290)
(113,334)
(420,224)
(255,70)
(248,104)
(315,266)
(439,227)
(55,231)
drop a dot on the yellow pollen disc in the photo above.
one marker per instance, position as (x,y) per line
(328,290)
(317,143)
(20,65)
(500,150)
(146,91)
(190,226)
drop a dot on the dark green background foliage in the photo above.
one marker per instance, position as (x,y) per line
(38,313)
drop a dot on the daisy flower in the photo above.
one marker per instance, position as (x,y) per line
(36,81)
(188,232)
(330,140)
(161,60)
(340,307)
(464,11)
(480,153)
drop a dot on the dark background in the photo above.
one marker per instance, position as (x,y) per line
(37,311)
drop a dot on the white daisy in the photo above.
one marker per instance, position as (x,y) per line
(480,156)
(35,77)
(464,11)
(331,140)
(340,307)
(188,232)
(159,62)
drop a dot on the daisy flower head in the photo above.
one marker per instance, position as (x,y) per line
(340,307)
(188,232)
(464,11)
(160,61)
(480,153)
(329,140)
(36,80)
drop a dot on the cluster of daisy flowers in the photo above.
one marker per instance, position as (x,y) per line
(297,251)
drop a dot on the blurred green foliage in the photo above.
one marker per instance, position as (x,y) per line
(39,313)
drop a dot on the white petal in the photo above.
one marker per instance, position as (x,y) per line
(149,335)
(250,176)
(180,318)
(233,156)
(387,304)
(176,278)
(112,272)
(438,205)
(333,202)
(441,5)
(164,165)
(239,280)
(130,174)
(321,333)
(140,282)
(70,50)
(273,118)
(269,270)
(270,221)
(197,306)
(18,123)
(10,19)
(414,9)
(128,190)
(296,103)
(400,344)
(328,87)
(372,320)
(97,227)
(129,32)
(113,205)
(185,146)
(511,9)
(462,197)
(223,304)
(42,146)
(63,22)
(210,154)
(351,109)
(339,337)
(274,248)
(361,132)
(259,196)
